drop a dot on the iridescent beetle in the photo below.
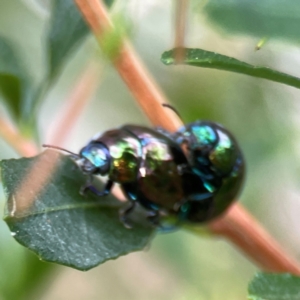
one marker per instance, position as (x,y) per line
(214,155)
(153,170)
(150,167)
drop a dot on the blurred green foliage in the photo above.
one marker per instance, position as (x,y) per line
(269,18)
(262,115)
(13,80)
(20,271)
(66,31)
(274,287)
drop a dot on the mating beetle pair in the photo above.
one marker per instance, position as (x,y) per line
(152,169)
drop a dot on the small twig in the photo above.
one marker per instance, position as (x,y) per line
(252,238)
(74,105)
(180,27)
(12,136)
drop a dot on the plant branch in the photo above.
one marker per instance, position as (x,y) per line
(13,137)
(237,225)
(130,68)
(180,27)
(244,231)
(84,89)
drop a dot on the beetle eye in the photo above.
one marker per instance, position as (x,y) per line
(96,157)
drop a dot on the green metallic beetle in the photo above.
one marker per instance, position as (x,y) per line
(216,158)
(194,185)
(150,167)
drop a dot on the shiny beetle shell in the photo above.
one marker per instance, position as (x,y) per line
(216,158)
(194,174)
(145,163)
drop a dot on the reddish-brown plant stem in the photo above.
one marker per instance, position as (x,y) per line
(252,238)
(83,90)
(180,26)
(244,231)
(13,137)
(130,68)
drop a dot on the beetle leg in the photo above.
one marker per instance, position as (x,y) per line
(154,218)
(83,188)
(124,213)
(168,228)
(89,187)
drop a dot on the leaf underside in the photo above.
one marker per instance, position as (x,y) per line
(59,224)
(212,60)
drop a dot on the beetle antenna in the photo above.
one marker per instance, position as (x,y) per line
(174,109)
(59,148)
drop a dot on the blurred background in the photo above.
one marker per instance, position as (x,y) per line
(262,115)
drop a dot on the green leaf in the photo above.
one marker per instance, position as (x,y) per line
(60,225)
(14,81)
(66,31)
(266,286)
(212,60)
(108,3)
(18,263)
(260,18)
